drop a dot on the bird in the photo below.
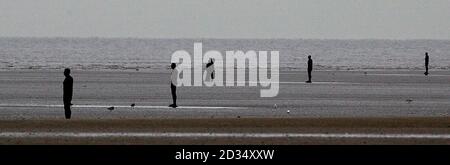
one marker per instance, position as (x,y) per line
(288,111)
(132,105)
(110,108)
(275,106)
(409,100)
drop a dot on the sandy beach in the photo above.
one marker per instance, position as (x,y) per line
(359,102)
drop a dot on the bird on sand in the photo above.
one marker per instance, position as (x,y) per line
(409,100)
(132,105)
(110,108)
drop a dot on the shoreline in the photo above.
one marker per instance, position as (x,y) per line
(445,70)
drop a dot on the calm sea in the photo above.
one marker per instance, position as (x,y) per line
(155,54)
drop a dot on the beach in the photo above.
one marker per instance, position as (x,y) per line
(376,102)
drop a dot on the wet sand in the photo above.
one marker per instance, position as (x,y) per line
(336,101)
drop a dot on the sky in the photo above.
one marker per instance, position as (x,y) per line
(308,19)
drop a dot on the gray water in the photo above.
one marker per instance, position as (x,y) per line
(155,54)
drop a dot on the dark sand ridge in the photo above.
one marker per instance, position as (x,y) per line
(434,125)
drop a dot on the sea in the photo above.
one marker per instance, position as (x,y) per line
(155,54)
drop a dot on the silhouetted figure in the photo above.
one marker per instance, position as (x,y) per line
(173,85)
(310,67)
(67,93)
(210,70)
(427,60)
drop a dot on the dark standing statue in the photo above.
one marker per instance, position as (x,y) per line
(67,93)
(310,68)
(173,85)
(427,60)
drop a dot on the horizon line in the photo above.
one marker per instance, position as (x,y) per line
(221,38)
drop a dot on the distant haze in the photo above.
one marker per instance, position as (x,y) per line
(322,19)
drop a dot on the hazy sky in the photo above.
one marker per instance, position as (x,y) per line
(337,19)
